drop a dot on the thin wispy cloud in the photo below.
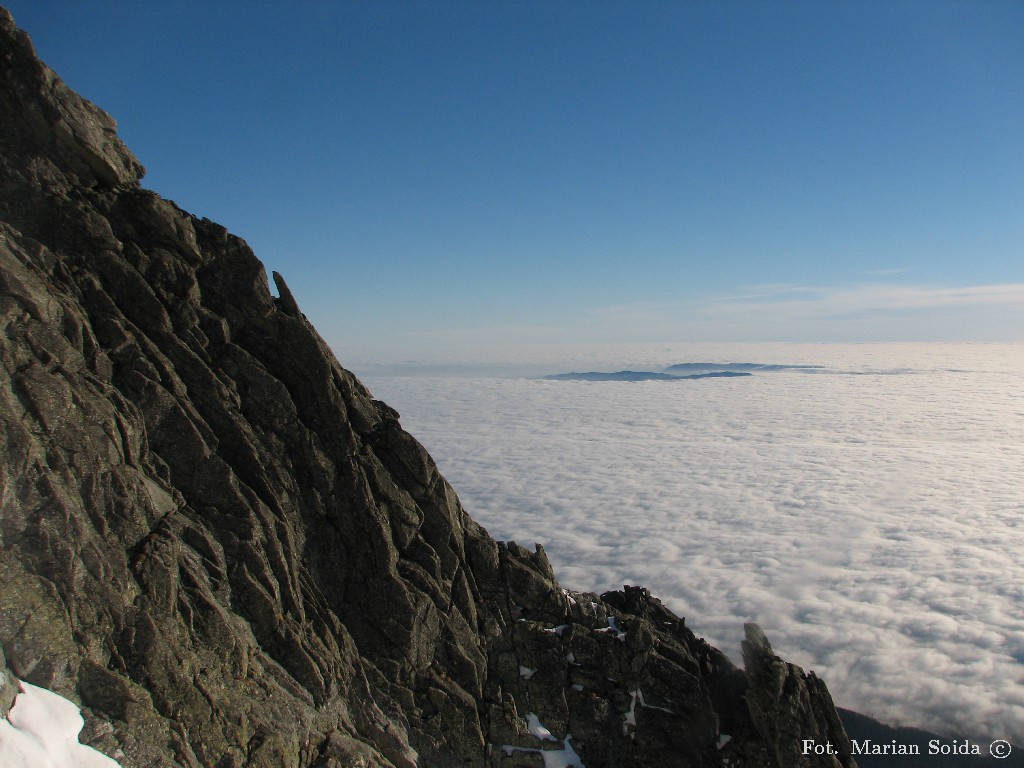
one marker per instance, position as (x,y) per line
(774,312)
(893,271)
(871,298)
(795,312)
(870,312)
(632,312)
(773,292)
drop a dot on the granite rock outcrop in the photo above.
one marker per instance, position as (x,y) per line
(217,542)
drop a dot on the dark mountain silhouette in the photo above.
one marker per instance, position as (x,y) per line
(639,376)
(681,369)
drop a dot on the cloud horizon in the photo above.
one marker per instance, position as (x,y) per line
(868,520)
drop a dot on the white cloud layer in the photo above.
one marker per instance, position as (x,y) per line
(870,518)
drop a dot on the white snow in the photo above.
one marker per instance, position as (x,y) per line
(620,634)
(538,730)
(630,718)
(565,757)
(41,731)
(645,705)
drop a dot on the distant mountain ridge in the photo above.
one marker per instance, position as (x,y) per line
(639,376)
(219,544)
(687,368)
(682,372)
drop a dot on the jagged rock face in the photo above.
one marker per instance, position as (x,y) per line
(215,540)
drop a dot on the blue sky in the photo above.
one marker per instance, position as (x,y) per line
(435,175)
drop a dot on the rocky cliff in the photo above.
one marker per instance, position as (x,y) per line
(215,540)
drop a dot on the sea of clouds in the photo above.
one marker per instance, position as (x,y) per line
(868,514)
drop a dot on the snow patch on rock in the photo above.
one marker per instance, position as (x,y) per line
(41,731)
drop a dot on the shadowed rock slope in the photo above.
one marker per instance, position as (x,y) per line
(215,540)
